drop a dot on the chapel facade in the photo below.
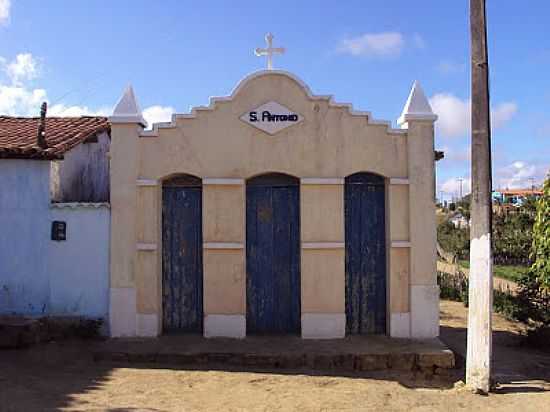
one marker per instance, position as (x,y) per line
(273,211)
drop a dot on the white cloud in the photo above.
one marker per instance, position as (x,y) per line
(452,186)
(23,68)
(520,174)
(501,114)
(386,44)
(454,114)
(4,11)
(157,114)
(456,156)
(19,101)
(448,67)
(75,111)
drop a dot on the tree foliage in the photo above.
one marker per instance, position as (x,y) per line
(540,254)
(512,234)
(454,240)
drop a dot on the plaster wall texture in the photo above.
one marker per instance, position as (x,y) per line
(212,142)
(399,280)
(326,223)
(423,282)
(25,236)
(83,174)
(39,276)
(224,282)
(323,281)
(223,213)
(399,212)
(78,268)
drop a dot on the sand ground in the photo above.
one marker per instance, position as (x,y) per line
(62,376)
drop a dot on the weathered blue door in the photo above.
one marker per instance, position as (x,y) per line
(365,254)
(182,255)
(273,255)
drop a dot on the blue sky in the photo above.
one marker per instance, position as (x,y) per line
(80,55)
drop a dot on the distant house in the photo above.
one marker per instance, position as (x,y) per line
(54,215)
(459,221)
(514,197)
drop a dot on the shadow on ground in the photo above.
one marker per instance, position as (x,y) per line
(516,368)
(49,375)
(53,376)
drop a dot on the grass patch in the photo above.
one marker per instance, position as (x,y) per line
(509,272)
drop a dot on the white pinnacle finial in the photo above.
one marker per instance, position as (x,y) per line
(417,106)
(269,51)
(127,109)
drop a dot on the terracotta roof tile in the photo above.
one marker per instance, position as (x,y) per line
(18,135)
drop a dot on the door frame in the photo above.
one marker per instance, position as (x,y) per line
(273,179)
(387,242)
(179,180)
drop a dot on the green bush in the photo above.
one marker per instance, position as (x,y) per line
(454,240)
(453,287)
(540,253)
(512,235)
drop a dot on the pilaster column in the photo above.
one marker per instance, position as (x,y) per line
(418,119)
(126,125)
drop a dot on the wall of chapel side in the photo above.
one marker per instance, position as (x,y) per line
(424,292)
(224,277)
(124,174)
(399,259)
(322,258)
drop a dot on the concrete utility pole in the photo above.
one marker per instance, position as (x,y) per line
(478,357)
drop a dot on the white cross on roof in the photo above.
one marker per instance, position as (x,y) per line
(269,51)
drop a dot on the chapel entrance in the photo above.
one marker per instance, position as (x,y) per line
(273,254)
(182,255)
(364,202)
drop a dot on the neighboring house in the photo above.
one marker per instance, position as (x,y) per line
(515,197)
(459,221)
(38,275)
(77,147)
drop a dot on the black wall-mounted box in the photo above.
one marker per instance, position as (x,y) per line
(59,230)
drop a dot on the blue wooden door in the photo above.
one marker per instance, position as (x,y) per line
(182,255)
(273,255)
(365,254)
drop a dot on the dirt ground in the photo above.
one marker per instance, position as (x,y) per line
(62,376)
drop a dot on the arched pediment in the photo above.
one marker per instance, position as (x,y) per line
(256,83)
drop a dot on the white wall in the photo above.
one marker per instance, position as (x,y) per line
(83,174)
(39,276)
(79,266)
(24,236)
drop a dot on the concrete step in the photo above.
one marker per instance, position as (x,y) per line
(18,332)
(22,331)
(349,354)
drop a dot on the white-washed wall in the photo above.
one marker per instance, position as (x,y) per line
(83,174)
(24,236)
(79,266)
(39,276)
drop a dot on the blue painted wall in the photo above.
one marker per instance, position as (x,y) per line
(79,267)
(24,236)
(39,276)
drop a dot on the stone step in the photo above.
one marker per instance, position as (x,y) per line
(18,332)
(336,355)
